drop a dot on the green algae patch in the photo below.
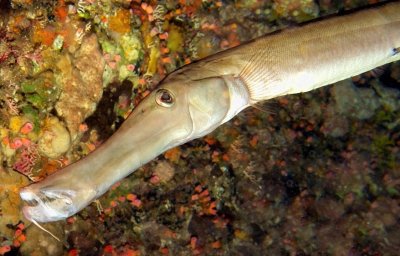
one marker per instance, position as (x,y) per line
(175,39)
(121,54)
(42,92)
(131,47)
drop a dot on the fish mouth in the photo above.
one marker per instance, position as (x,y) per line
(46,206)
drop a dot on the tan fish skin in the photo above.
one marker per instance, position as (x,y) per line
(199,97)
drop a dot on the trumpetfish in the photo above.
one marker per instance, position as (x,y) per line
(197,98)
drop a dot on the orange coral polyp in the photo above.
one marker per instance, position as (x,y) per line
(44,36)
(61,13)
(120,22)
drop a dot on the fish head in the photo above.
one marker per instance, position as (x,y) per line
(179,110)
(192,108)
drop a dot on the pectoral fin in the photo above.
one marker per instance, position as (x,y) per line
(260,75)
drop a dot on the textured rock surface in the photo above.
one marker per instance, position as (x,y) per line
(354,102)
(80,79)
(40,243)
(10,203)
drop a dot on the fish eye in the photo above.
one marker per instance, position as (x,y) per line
(164,98)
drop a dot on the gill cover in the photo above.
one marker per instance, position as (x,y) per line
(208,102)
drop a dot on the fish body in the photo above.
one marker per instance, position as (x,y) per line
(310,56)
(194,100)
